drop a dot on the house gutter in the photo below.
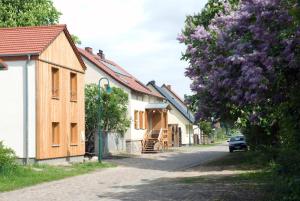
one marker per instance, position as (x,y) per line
(26,118)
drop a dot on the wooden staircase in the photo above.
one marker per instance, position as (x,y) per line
(149,141)
(153,141)
(149,146)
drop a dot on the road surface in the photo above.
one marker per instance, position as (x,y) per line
(149,177)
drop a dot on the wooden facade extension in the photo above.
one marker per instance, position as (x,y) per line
(156,134)
(60,102)
(174,135)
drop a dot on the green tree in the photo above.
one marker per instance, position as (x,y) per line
(19,13)
(114,117)
(14,13)
(206,127)
(76,39)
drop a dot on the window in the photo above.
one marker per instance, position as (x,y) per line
(141,120)
(55,82)
(136,119)
(55,133)
(74,134)
(73,86)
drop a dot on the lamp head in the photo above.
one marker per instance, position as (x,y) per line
(108,89)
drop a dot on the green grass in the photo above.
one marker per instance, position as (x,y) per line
(250,176)
(31,175)
(262,177)
(241,161)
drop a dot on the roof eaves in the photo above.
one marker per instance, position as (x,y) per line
(69,37)
(20,54)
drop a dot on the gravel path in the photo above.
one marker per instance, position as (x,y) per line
(149,177)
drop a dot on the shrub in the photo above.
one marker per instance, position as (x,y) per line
(7,160)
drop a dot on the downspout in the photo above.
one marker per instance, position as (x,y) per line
(189,126)
(26,121)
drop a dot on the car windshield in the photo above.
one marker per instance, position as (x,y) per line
(238,138)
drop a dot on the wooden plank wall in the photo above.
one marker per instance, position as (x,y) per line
(61,110)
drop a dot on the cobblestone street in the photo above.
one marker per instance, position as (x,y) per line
(148,177)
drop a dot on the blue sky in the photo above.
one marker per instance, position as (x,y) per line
(140,35)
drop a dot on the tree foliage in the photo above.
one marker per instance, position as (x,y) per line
(206,127)
(14,13)
(114,112)
(8,162)
(245,62)
(18,13)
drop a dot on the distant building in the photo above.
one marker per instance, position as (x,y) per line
(179,115)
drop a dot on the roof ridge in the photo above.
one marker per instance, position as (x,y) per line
(32,27)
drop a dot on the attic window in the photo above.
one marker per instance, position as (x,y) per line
(116,69)
(123,79)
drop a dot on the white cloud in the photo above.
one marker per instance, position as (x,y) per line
(140,35)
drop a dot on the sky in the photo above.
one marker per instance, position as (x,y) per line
(139,35)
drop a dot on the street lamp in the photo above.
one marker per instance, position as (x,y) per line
(108,90)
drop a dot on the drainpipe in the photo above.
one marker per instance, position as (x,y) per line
(189,127)
(26,129)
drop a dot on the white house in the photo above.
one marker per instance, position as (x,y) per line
(179,115)
(141,99)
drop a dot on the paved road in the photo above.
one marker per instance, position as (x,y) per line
(149,177)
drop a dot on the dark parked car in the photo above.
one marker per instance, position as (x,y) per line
(237,143)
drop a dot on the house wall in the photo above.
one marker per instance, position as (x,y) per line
(61,110)
(175,117)
(137,102)
(93,74)
(12,107)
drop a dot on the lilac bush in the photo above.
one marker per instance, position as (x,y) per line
(241,60)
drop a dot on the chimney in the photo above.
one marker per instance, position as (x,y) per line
(89,50)
(101,55)
(168,86)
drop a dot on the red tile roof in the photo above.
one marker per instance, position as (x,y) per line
(31,40)
(118,73)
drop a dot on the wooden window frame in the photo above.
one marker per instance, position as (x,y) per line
(55,82)
(136,119)
(141,120)
(55,134)
(74,131)
(73,87)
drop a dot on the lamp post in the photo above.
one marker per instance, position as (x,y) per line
(108,90)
